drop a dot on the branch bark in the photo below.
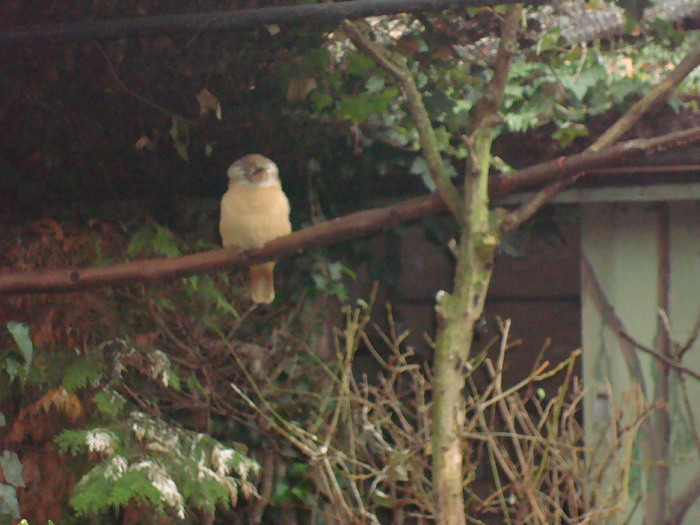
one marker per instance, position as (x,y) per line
(226,20)
(657,489)
(552,170)
(331,232)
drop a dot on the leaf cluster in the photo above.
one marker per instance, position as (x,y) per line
(135,381)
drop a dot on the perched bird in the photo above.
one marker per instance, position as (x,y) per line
(255,211)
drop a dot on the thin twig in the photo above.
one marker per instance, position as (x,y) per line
(130,91)
(661,357)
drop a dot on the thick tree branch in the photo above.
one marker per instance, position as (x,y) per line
(479,142)
(553,170)
(331,232)
(226,20)
(396,66)
(514,219)
(350,226)
(488,105)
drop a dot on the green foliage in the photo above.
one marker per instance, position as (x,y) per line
(147,460)
(83,371)
(359,107)
(328,278)
(72,441)
(158,349)
(120,355)
(11,469)
(12,366)
(108,492)
(297,487)
(9,506)
(154,240)
(204,288)
(20,333)
(109,402)
(552,83)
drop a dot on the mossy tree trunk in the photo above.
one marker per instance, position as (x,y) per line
(458,313)
(459,310)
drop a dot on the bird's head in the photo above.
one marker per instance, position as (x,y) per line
(254,170)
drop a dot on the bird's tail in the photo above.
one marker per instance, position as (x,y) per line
(262,284)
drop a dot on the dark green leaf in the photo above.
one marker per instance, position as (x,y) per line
(11,468)
(8,501)
(20,333)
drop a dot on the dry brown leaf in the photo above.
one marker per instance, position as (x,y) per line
(208,103)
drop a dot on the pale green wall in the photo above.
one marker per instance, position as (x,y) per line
(620,241)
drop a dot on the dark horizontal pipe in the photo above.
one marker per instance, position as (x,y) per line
(227,20)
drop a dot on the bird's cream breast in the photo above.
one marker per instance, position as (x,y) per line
(252,216)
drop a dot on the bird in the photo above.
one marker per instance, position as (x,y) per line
(254,211)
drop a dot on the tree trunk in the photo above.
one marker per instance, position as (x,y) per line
(457,315)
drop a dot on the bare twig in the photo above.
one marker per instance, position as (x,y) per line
(127,89)
(661,357)
(592,287)
(692,337)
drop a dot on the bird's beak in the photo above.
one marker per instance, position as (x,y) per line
(257,176)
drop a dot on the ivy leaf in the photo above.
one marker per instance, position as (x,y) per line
(568,132)
(20,333)
(549,40)
(11,468)
(522,120)
(356,108)
(321,100)
(208,103)
(374,83)
(8,501)
(420,167)
(443,137)
(624,87)
(580,85)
